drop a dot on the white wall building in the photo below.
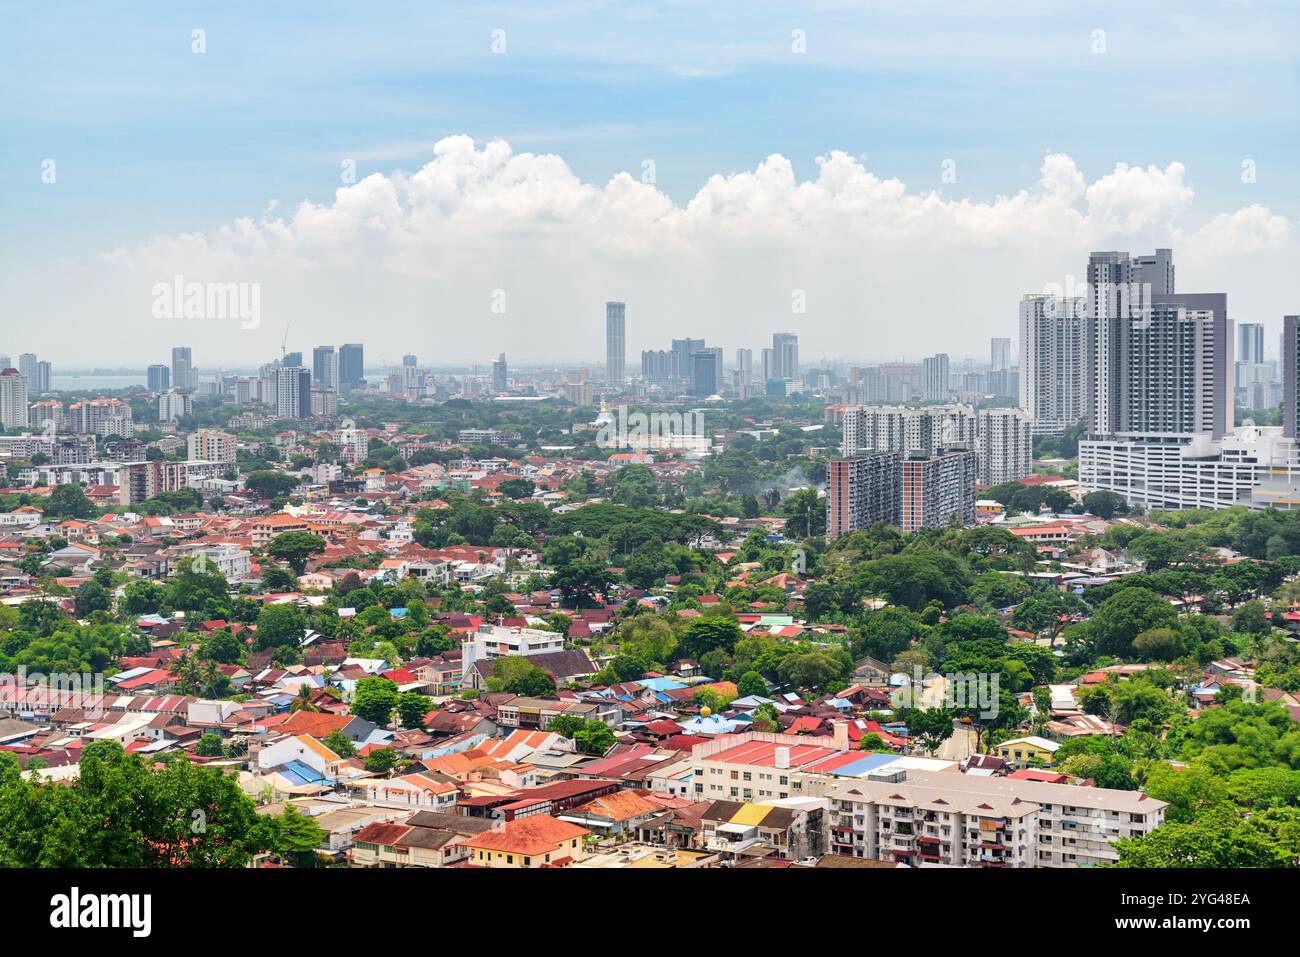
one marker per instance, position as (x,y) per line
(1005,445)
(1052,381)
(1254,466)
(497,641)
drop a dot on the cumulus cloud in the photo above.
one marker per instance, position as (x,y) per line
(416,262)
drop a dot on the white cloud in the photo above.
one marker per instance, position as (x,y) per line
(411,262)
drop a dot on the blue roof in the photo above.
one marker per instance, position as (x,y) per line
(869,761)
(300,773)
(660,684)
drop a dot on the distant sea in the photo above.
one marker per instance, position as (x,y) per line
(82,381)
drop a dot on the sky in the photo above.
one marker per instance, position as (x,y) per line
(885,179)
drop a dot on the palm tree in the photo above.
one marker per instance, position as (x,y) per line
(303,701)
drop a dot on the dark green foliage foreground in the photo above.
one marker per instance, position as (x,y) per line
(120,813)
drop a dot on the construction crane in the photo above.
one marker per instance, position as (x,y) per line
(284,343)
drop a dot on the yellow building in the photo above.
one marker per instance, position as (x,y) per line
(1026,751)
(538,840)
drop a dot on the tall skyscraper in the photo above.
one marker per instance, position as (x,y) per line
(744,371)
(682,351)
(615,341)
(863,490)
(658,368)
(785,355)
(159,378)
(999,355)
(293,392)
(936,376)
(325,368)
(500,373)
(410,361)
(706,371)
(182,368)
(1176,365)
(1120,290)
(44,378)
(1250,342)
(1052,362)
(1291,376)
(13,399)
(27,366)
(352,374)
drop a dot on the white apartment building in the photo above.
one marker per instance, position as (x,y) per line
(353,443)
(1005,445)
(101,417)
(232,561)
(13,399)
(212,445)
(899,428)
(173,405)
(965,821)
(1254,466)
(490,642)
(1052,361)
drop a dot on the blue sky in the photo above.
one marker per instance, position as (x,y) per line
(151,139)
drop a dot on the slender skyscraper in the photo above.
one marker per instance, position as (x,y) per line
(159,378)
(1250,342)
(785,355)
(352,376)
(1290,368)
(999,355)
(1051,362)
(1120,289)
(325,368)
(182,368)
(936,376)
(615,341)
(500,374)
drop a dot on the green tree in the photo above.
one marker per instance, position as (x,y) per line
(412,708)
(270,485)
(280,626)
(751,683)
(709,633)
(209,746)
(339,743)
(68,501)
(92,597)
(295,548)
(375,699)
(381,760)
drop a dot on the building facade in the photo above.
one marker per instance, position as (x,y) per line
(938,489)
(1005,445)
(863,490)
(615,342)
(1052,375)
